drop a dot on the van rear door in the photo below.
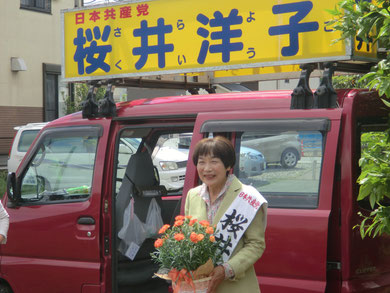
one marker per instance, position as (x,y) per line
(299,194)
(364,262)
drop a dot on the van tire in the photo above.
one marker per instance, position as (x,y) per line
(5,288)
(289,158)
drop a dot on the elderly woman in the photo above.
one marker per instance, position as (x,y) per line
(238,211)
(4,224)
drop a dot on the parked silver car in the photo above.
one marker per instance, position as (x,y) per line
(284,149)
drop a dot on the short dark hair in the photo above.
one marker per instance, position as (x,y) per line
(219,147)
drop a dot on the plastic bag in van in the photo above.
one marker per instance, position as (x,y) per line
(132,234)
(154,220)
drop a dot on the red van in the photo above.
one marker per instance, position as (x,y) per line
(68,199)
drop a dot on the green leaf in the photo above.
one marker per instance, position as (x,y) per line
(377,231)
(384,12)
(362,232)
(370,74)
(372,201)
(334,12)
(369,229)
(384,31)
(364,191)
(387,103)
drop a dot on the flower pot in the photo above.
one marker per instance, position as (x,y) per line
(201,286)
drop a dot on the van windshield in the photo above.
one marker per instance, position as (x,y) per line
(61,168)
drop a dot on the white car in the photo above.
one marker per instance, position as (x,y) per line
(252,162)
(170,162)
(24,137)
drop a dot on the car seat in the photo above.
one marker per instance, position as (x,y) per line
(142,184)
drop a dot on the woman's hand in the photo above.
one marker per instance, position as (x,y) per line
(217,276)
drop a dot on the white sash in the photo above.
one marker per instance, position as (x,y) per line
(238,217)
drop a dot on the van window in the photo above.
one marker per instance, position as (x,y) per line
(26,139)
(284,166)
(61,168)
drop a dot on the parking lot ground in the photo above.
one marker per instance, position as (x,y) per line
(304,177)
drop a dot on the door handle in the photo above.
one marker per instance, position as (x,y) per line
(86,221)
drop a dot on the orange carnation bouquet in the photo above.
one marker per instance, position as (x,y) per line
(186,253)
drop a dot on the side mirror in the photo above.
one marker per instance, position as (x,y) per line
(12,188)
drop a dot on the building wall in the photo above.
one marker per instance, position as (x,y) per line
(287,84)
(35,37)
(12,116)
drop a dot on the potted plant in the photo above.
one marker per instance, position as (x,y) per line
(187,253)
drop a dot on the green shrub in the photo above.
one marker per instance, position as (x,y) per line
(348,81)
(374,182)
(74,104)
(3,182)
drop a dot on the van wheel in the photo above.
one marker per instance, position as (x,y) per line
(289,158)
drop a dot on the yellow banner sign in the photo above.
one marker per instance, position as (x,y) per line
(176,36)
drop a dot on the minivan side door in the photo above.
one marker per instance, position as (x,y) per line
(299,196)
(54,239)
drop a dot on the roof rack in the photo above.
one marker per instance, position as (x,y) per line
(325,96)
(104,108)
